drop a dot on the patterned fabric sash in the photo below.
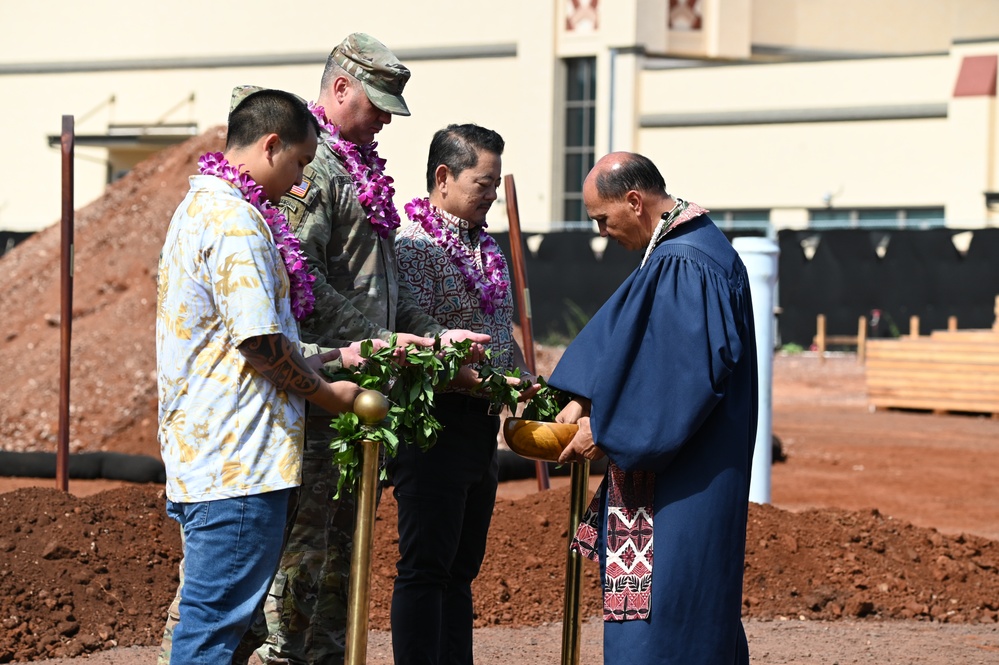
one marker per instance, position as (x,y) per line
(682,212)
(628,573)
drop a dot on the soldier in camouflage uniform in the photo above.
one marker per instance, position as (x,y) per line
(357,297)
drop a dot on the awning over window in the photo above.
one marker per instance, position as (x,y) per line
(134,136)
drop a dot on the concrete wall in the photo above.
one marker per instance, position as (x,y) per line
(787,135)
(871,26)
(803,132)
(152,58)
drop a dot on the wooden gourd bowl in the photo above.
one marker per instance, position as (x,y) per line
(537,440)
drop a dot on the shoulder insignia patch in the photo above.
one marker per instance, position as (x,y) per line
(301,189)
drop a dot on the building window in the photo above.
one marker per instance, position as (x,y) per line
(580,114)
(877,218)
(741,220)
(924,218)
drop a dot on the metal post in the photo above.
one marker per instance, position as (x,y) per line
(523,297)
(571,624)
(760,256)
(66,289)
(371,407)
(610,105)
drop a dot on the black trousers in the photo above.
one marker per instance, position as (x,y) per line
(445,498)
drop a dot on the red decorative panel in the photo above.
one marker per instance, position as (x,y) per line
(686,14)
(581,15)
(977,77)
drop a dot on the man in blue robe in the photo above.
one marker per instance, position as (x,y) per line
(664,384)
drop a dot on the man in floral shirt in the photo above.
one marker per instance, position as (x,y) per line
(345,218)
(459,276)
(231,378)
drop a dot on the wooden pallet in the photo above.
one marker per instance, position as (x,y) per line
(947,371)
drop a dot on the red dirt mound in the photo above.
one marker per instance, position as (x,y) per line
(117,238)
(80,575)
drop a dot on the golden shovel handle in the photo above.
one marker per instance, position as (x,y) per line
(371,407)
(544,441)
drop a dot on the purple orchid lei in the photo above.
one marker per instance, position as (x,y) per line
(367,170)
(488,283)
(299,277)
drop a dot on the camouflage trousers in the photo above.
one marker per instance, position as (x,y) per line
(306,608)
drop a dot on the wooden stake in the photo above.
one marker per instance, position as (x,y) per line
(523,297)
(820,336)
(862,340)
(66,291)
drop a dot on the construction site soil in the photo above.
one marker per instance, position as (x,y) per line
(881,543)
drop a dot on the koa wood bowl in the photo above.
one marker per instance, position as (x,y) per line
(537,440)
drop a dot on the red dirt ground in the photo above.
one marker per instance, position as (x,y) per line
(875,517)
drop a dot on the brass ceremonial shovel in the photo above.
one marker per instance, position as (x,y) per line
(545,441)
(371,408)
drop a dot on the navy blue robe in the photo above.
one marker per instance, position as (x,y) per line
(669,364)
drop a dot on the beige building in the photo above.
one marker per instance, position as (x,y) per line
(773,113)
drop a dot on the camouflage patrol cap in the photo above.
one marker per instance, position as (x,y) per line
(381,74)
(241,92)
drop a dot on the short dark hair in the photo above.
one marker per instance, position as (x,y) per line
(270,112)
(331,72)
(637,172)
(457,147)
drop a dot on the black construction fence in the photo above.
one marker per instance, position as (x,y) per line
(842,273)
(8,239)
(933,274)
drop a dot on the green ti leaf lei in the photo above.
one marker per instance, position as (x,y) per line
(546,403)
(410,384)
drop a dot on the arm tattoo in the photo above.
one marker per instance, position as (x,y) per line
(280,363)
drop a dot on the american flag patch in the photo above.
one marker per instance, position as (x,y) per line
(300,189)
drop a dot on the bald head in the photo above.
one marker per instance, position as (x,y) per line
(625,195)
(616,174)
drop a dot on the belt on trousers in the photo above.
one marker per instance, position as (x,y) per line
(456,402)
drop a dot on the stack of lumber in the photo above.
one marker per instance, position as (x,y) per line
(946,371)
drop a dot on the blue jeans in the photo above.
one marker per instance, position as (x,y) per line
(231,552)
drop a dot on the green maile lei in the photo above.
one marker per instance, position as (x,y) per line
(410,384)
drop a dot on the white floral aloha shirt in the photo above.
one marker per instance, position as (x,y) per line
(224,430)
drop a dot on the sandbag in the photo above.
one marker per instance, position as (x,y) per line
(85,466)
